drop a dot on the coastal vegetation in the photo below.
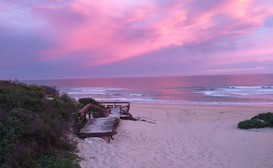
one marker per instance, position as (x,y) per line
(79,122)
(35,124)
(85,101)
(259,121)
(96,112)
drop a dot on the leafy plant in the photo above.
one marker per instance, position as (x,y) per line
(97,113)
(33,128)
(259,121)
(267,117)
(85,101)
(52,162)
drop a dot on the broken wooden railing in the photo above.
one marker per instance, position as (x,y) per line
(118,109)
(104,125)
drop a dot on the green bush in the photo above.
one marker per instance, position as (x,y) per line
(33,127)
(97,113)
(267,117)
(85,101)
(253,123)
(52,162)
(259,121)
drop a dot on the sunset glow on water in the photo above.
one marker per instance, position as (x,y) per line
(205,90)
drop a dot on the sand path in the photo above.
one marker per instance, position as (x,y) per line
(183,136)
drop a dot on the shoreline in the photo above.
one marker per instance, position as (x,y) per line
(247,105)
(183,136)
(186,103)
(180,102)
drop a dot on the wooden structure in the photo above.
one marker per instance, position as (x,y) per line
(118,109)
(104,127)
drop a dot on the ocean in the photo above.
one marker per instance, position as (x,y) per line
(191,90)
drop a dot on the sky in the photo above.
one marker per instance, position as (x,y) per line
(51,39)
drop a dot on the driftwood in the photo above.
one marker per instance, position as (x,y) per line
(145,119)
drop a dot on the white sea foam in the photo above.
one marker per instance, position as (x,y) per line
(89,90)
(248,89)
(224,94)
(106,94)
(136,94)
(127,99)
(238,91)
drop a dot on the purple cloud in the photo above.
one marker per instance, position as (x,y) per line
(40,39)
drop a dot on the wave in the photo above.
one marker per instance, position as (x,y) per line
(237,91)
(127,99)
(245,95)
(89,90)
(182,102)
(250,87)
(136,94)
(103,93)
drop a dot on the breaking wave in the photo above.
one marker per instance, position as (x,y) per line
(237,91)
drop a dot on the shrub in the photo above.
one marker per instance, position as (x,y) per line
(253,123)
(97,113)
(259,121)
(33,128)
(52,162)
(267,117)
(85,101)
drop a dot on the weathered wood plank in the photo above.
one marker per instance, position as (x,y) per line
(88,106)
(99,127)
(105,126)
(125,106)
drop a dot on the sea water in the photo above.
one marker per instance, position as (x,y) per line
(202,90)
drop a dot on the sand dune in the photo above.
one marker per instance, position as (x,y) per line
(183,136)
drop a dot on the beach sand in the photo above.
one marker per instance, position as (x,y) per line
(183,137)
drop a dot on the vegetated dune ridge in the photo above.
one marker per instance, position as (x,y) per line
(183,136)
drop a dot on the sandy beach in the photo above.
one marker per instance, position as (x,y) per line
(183,136)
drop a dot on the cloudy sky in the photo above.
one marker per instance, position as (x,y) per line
(48,39)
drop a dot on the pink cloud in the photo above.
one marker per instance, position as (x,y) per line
(104,32)
(118,30)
